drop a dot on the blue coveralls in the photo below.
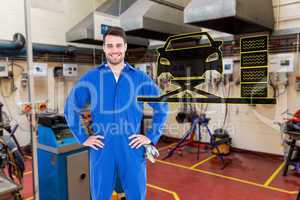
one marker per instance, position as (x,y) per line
(116,114)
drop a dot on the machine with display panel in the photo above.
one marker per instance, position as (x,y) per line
(63,164)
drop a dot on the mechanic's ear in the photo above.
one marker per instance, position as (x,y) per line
(104,47)
(126,46)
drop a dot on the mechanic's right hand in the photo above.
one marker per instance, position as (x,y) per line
(94,142)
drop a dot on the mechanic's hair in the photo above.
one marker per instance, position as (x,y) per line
(116,31)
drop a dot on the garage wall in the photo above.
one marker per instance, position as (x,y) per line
(44,90)
(286,14)
(251,127)
(50,19)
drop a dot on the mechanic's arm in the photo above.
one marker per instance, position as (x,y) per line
(160,110)
(80,97)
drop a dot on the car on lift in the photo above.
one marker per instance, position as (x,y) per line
(190,55)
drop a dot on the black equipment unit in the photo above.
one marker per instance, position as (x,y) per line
(57,123)
(222,140)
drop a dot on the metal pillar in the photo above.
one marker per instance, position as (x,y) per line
(27,9)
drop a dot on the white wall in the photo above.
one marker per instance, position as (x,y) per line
(251,127)
(286,14)
(49,23)
(44,90)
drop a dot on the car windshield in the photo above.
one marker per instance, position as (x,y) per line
(188,42)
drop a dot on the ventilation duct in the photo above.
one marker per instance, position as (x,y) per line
(231,16)
(91,29)
(149,19)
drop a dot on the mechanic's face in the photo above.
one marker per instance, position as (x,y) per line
(114,49)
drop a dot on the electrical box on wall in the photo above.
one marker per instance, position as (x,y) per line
(228,65)
(58,72)
(3,69)
(70,70)
(40,69)
(282,62)
(26,107)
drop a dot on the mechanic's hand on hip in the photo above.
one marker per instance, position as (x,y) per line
(94,142)
(138,140)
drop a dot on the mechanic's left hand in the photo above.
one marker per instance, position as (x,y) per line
(138,140)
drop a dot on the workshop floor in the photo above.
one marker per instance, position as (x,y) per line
(247,176)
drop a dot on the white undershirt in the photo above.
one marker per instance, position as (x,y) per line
(116,77)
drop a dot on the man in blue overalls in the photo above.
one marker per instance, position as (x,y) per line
(116,149)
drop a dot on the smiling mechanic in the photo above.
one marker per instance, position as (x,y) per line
(111,90)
